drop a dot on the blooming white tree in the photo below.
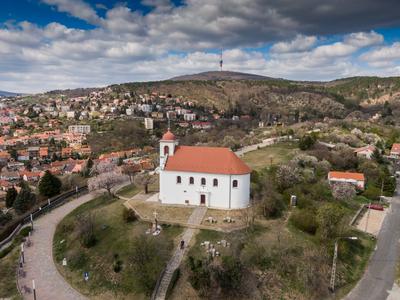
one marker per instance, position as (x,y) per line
(106,180)
(287,176)
(343,191)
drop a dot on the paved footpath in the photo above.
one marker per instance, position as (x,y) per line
(195,218)
(39,264)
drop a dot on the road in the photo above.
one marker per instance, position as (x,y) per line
(264,143)
(378,280)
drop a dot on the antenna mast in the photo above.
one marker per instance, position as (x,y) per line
(220,61)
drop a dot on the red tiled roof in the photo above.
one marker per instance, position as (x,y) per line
(206,160)
(395,148)
(365,148)
(346,175)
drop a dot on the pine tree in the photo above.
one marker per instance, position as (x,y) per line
(11,196)
(25,200)
(49,185)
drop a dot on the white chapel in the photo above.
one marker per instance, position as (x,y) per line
(211,176)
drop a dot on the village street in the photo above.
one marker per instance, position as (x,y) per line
(378,280)
(264,143)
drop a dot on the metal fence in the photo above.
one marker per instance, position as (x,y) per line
(51,204)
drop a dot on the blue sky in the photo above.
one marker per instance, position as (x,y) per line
(55,44)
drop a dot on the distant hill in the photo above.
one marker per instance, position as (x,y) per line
(8,94)
(221,75)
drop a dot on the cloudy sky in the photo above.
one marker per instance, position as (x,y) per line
(52,44)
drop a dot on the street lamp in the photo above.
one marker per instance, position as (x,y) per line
(333,274)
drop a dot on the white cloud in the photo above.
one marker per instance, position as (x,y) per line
(76,8)
(129,46)
(300,43)
(364,39)
(383,54)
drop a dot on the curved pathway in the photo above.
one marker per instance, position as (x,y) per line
(39,264)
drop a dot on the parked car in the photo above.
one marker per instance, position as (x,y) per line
(375,206)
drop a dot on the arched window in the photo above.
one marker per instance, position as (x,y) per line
(203,181)
(235,183)
(166,150)
(215,182)
(191,180)
(178,179)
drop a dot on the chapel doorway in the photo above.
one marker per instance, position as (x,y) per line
(202,199)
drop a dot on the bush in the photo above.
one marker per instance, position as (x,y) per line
(77,260)
(148,257)
(129,215)
(330,218)
(86,225)
(6,251)
(25,200)
(11,196)
(5,218)
(306,142)
(200,276)
(372,192)
(230,274)
(304,220)
(256,255)
(25,231)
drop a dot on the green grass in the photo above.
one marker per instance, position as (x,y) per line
(9,258)
(8,265)
(277,154)
(114,237)
(128,191)
(353,257)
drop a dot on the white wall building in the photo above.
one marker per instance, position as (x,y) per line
(79,129)
(70,114)
(357,179)
(210,176)
(189,116)
(148,123)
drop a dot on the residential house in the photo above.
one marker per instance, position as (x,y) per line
(66,152)
(31,176)
(357,179)
(4,156)
(395,151)
(44,152)
(33,152)
(365,152)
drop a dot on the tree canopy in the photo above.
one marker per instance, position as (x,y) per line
(49,185)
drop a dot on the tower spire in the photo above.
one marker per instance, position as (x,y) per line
(221,61)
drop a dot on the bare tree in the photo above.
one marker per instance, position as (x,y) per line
(107,181)
(130,170)
(86,229)
(144,179)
